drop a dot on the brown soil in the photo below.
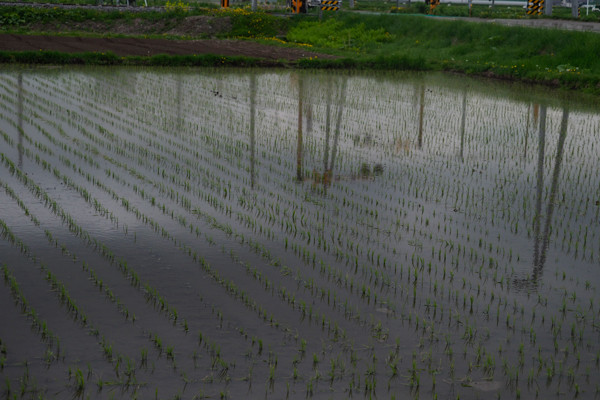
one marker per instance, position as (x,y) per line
(148,47)
(201,28)
(194,26)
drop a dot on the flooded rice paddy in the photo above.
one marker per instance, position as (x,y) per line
(273,234)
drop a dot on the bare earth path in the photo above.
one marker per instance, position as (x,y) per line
(148,47)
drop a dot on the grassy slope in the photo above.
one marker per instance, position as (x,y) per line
(551,56)
(392,41)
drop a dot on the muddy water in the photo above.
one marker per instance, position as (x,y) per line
(188,233)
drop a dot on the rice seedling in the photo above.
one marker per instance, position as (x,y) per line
(397,234)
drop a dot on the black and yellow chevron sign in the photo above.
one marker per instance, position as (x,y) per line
(535,7)
(330,5)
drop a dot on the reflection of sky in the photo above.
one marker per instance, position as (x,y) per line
(380,125)
(494,180)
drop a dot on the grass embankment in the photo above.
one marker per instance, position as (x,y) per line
(564,58)
(559,58)
(202,60)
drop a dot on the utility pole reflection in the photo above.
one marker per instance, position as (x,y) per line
(20,118)
(252,127)
(462,124)
(338,123)
(541,241)
(526,133)
(179,96)
(421,107)
(327,127)
(554,188)
(540,187)
(299,177)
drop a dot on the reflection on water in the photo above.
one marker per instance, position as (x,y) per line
(300,83)
(355,132)
(342,128)
(527,129)
(337,86)
(421,108)
(338,122)
(20,117)
(329,159)
(478,210)
(252,129)
(541,241)
(179,101)
(540,188)
(326,166)
(462,124)
(554,189)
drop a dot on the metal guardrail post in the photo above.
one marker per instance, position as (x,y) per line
(548,7)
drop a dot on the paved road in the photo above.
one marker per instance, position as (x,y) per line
(570,25)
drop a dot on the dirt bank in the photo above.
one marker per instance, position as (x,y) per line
(149,47)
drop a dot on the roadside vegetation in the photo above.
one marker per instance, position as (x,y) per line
(555,57)
(382,41)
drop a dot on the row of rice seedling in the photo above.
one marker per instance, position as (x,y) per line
(123,365)
(129,274)
(410,230)
(19,377)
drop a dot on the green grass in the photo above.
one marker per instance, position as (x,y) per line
(386,41)
(244,23)
(542,55)
(139,3)
(26,15)
(57,58)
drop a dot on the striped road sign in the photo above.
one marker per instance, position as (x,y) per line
(330,5)
(535,7)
